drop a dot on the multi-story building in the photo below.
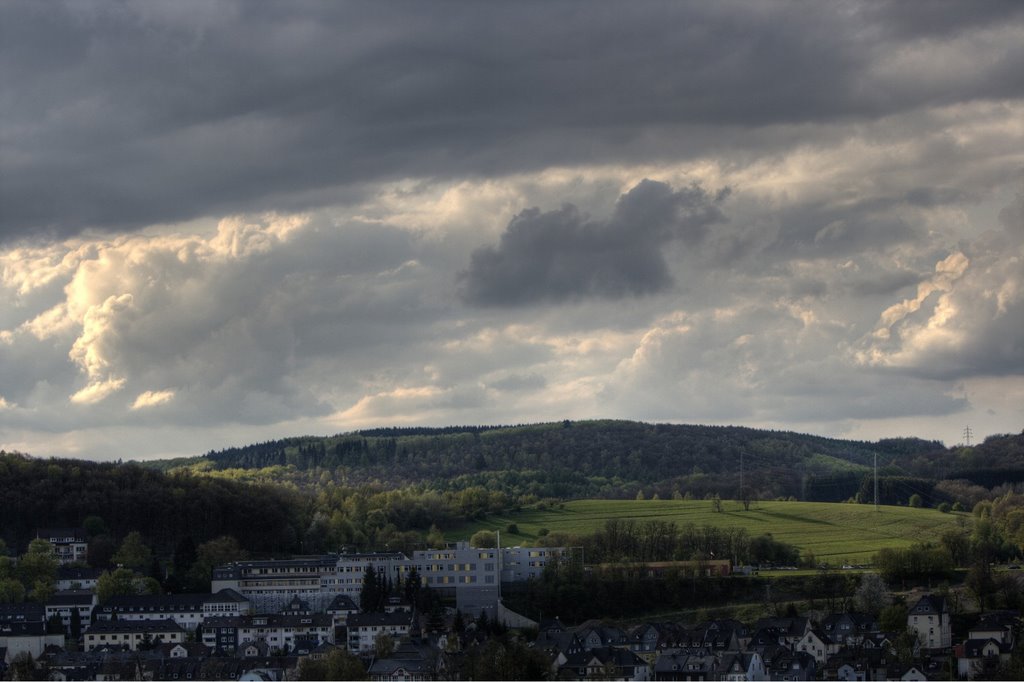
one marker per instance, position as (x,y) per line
(63,603)
(187,610)
(23,630)
(471,575)
(365,628)
(77,577)
(270,585)
(278,631)
(929,618)
(351,568)
(70,544)
(127,633)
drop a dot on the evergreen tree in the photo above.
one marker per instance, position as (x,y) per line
(412,585)
(76,624)
(369,595)
(184,556)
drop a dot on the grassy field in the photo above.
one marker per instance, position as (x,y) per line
(836,533)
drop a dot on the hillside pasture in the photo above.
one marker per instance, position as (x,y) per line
(836,533)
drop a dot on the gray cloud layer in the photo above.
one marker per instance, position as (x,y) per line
(122,115)
(228,221)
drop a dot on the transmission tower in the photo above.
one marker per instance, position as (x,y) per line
(967,435)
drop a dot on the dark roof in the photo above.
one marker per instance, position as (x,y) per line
(668,663)
(734,660)
(788,627)
(163,625)
(66,572)
(929,604)
(46,533)
(342,602)
(859,622)
(227,594)
(192,649)
(973,647)
(995,620)
(270,619)
(71,597)
(366,619)
(297,604)
(155,603)
(27,611)
(22,628)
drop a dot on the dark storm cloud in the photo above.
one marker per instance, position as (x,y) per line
(122,115)
(565,255)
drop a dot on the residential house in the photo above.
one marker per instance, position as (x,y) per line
(643,641)
(790,630)
(686,666)
(71,545)
(717,635)
(406,662)
(279,631)
(849,629)
(930,620)
(605,662)
(365,628)
(738,666)
(819,645)
(980,658)
(997,625)
(791,666)
(77,577)
(64,602)
(26,637)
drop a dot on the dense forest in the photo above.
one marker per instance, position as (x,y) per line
(164,508)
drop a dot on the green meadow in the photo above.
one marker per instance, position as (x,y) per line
(835,533)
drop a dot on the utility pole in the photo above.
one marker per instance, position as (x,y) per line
(876,481)
(967,435)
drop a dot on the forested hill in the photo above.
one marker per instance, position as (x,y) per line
(621,458)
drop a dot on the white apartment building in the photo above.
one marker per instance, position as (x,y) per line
(119,633)
(69,544)
(187,610)
(455,570)
(278,631)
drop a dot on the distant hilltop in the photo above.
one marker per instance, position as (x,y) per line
(613,458)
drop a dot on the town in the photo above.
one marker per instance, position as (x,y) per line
(439,614)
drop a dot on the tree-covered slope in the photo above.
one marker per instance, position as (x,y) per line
(41,493)
(614,459)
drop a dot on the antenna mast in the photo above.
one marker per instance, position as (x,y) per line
(876,481)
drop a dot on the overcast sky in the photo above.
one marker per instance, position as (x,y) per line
(225,222)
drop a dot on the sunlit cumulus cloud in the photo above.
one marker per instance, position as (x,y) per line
(152,399)
(228,222)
